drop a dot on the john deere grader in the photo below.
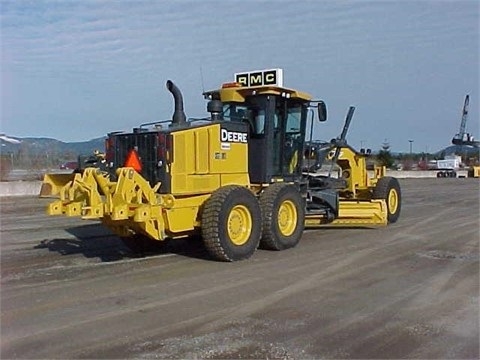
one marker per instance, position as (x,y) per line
(236,179)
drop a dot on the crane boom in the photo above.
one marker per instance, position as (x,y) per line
(463,138)
(463,124)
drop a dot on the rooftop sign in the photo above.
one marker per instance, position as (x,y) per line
(273,77)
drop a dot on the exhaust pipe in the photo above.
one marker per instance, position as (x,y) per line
(178,117)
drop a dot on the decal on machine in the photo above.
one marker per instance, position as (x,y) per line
(227,136)
(220,156)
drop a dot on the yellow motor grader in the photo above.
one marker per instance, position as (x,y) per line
(235,179)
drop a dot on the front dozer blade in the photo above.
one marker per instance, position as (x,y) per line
(353,213)
(361,213)
(53,183)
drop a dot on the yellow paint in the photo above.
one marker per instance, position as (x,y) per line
(238,94)
(474,172)
(239,225)
(354,171)
(53,184)
(287,218)
(393,201)
(354,213)
(200,164)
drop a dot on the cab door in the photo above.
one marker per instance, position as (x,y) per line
(260,149)
(276,138)
(289,121)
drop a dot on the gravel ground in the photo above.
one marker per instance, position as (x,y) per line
(69,289)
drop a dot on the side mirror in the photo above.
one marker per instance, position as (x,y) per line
(322,111)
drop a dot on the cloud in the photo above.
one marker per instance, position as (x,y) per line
(404,64)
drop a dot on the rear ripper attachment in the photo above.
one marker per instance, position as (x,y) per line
(235,179)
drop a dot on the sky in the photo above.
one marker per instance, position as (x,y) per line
(76,70)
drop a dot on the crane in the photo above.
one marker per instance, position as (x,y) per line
(463,138)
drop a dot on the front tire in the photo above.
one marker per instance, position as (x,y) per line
(388,189)
(231,226)
(283,216)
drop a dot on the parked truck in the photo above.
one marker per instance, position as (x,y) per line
(449,166)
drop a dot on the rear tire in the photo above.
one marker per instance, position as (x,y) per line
(231,227)
(388,189)
(283,216)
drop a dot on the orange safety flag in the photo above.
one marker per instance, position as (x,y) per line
(133,161)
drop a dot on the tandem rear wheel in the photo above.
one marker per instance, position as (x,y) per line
(235,222)
(231,223)
(283,216)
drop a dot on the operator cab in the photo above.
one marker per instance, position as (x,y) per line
(276,129)
(276,119)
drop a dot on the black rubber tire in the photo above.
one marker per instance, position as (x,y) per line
(439,174)
(215,223)
(383,191)
(141,244)
(271,201)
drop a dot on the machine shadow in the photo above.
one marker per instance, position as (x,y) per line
(96,241)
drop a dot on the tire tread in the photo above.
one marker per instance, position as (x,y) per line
(269,238)
(210,228)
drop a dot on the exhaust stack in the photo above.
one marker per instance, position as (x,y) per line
(178,117)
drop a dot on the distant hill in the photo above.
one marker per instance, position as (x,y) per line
(44,146)
(462,150)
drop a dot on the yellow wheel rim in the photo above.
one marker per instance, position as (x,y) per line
(287,218)
(239,225)
(392,201)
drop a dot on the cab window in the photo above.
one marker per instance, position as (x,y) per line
(294,115)
(234,112)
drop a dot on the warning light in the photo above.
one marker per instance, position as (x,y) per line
(133,161)
(230,85)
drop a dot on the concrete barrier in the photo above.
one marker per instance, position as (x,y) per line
(20,188)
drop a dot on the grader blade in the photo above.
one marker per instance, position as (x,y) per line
(362,213)
(353,213)
(54,183)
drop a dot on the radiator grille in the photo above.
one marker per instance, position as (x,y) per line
(146,146)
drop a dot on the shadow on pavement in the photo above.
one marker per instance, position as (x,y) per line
(94,240)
